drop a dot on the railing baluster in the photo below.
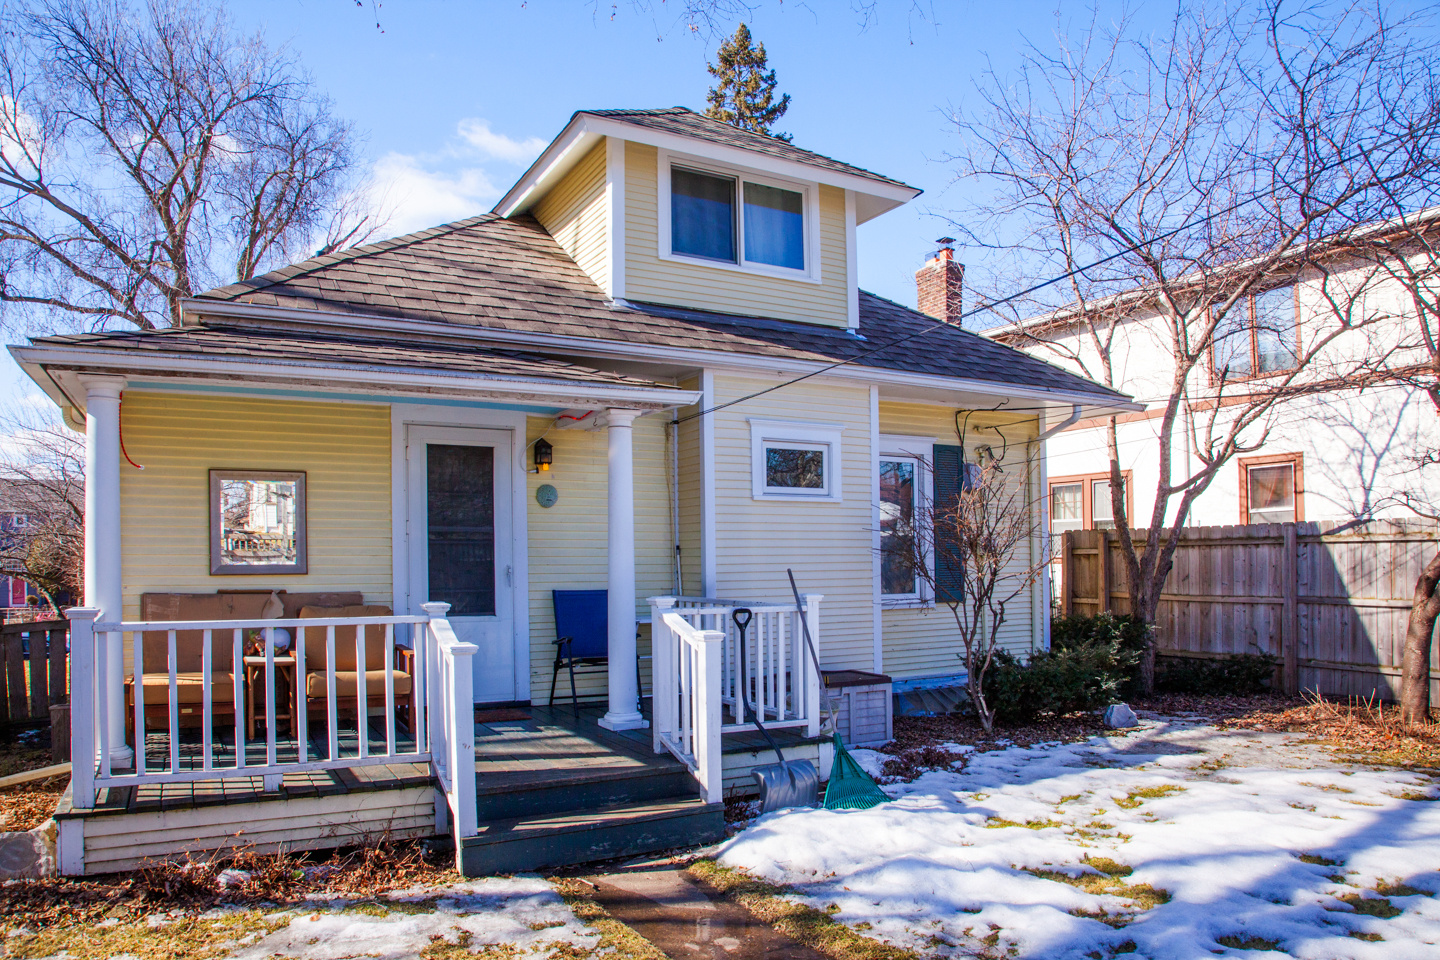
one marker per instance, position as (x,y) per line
(389,689)
(137,656)
(269,641)
(302,706)
(207,709)
(101,657)
(362,695)
(330,705)
(237,673)
(174,691)
(420,646)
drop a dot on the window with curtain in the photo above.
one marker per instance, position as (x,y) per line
(1067,510)
(730,219)
(1270,490)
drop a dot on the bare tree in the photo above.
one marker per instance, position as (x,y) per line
(973,549)
(145,156)
(42,490)
(1174,179)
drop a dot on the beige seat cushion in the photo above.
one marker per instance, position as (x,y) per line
(345,646)
(346,680)
(188,688)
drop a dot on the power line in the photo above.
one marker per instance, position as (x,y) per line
(1258,195)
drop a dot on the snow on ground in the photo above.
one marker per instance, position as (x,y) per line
(1260,841)
(522,911)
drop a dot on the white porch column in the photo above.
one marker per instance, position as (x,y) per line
(624,708)
(102,541)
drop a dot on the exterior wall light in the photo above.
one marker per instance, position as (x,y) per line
(544,456)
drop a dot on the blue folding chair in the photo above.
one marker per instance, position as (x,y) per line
(582,636)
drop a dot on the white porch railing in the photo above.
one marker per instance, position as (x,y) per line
(439,675)
(698,661)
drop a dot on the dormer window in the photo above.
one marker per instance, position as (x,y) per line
(733,219)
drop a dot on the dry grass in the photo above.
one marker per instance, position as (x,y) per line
(1236,942)
(1366,730)
(191,937)
(1108,881)
(814,928)
(1379,907)
(1134,798)
(190,886)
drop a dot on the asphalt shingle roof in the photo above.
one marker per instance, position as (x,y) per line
(243,342)
(509,274)
(688,123)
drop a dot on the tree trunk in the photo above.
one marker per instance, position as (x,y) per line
(1415,665)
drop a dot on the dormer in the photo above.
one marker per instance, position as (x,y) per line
(670,207)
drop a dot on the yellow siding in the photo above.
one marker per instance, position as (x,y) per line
(924,641)
(165,512)
(575,213)
(650,279)
(568,541)
(828,544)
(691,507)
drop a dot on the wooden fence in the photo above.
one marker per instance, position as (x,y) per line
(1331,604)
(34,662)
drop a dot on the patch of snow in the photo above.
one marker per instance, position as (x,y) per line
(1218,820)
(522,911)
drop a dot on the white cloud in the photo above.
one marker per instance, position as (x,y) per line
(477,133)
(419,190)
(417,198)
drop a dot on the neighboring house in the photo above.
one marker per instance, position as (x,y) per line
(566,393)
(1342,450)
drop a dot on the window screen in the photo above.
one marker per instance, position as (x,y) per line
(774,226)
(460,490)
(702,215)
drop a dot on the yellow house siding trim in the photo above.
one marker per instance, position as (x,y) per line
(691,499)
(576,213)
(924,641)
(648,278)
(827,543)
(568,548)
(165,509)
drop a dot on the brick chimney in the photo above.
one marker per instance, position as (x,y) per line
(939,283)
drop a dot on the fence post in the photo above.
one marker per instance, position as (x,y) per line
(1067,572)
(1290,615)
(709,756)
(82,706)
(1103,570)
(662,673)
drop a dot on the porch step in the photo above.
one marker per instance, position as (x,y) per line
(569,793)
(580,836)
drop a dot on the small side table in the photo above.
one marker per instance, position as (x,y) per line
(284,681)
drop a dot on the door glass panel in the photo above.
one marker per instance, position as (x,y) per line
(460,491)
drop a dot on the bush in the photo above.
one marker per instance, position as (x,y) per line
(1091,663)
(1237,674)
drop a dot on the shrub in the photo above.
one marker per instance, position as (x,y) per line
(1090,663)
(1237,674)
(1123,637)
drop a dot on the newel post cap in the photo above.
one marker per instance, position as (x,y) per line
(436,609)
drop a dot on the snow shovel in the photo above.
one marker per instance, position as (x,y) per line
(849,787)
(789,783)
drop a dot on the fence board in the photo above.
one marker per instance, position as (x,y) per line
(1333,606)
(48,674)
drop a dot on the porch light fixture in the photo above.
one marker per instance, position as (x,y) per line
(544,455)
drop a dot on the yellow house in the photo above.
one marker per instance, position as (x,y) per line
(649,380)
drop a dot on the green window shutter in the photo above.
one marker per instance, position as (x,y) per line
(949,479)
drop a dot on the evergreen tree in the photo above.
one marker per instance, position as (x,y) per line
(745,93)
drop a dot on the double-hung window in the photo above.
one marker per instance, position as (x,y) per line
(1257,337)
(1083,502)
(725,218)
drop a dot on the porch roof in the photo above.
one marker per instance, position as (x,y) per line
(233,352)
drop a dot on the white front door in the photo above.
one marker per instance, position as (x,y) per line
(459,524)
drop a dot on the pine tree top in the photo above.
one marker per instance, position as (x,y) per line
(744,95)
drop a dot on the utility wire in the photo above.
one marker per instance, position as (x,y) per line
(1258,195)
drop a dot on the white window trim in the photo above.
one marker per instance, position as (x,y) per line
(781,433)
(921,451)
(809,192)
